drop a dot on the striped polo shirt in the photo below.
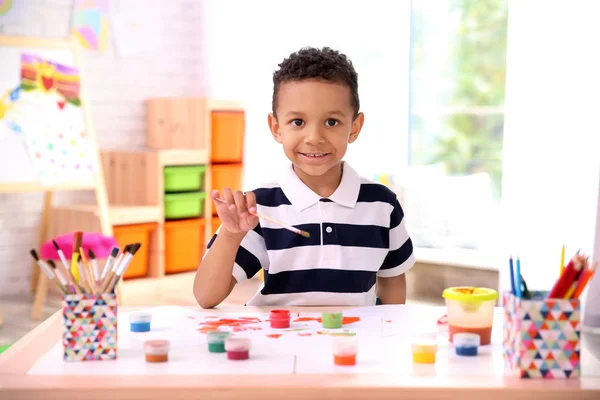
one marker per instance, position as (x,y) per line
(356,235)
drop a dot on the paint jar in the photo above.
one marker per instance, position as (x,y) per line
(466,344)
(331,320)
(424,350)
(237,348)
(344,350)
(140,321)
(157,350)
(470,310)
(216,341)
(279,319)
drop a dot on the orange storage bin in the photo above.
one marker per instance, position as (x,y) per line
(138,233)
(227,136)
(226,175)
(216,223)
(184,245)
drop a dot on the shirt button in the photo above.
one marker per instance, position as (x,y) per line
(328,229)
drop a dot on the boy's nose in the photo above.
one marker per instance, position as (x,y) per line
(314,136)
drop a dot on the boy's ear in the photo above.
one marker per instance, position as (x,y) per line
(357,125)
(274,126)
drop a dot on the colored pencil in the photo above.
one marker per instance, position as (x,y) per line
(512,275)
(562,285)
(288,227)
(518,279)
(562,260)
(584,281)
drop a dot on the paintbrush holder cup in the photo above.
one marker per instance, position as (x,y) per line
(89,327)
(542,337)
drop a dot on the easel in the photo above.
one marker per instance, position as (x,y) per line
(64,49)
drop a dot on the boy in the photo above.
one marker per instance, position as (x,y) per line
(358,249)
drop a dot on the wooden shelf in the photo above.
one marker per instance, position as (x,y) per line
(183,157)
(225,105)
(38,187)
(118,215)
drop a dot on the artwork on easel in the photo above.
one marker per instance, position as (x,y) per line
(90,23)
(46,109)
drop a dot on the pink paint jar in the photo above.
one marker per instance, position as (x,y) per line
(237,348)
(280,319)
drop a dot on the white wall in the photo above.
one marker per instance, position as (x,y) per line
(244,51)
(117,88)
(552,133)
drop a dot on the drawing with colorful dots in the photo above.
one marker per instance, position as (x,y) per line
(57,143)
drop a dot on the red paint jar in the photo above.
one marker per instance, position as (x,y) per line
(279,319)
(238,355)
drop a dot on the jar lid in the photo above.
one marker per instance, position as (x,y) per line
(233,343)
(217,336)
(424,345)
(140,317)
(157,346)
(279,314)
(466,339)
(331,315)
(469,293)
(344,345)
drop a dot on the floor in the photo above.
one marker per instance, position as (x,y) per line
(170,290)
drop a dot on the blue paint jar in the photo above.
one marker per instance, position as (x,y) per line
(140,321)
(466,344)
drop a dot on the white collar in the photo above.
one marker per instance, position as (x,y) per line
(302,197)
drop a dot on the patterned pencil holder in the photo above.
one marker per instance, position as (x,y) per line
(542,337)
(89,327)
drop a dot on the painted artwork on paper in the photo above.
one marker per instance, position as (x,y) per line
(49,114)
(90,25)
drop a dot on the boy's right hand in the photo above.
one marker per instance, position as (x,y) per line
(235,212)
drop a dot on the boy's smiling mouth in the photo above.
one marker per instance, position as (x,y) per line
(315,155)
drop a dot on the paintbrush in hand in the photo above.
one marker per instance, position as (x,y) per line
(288,227)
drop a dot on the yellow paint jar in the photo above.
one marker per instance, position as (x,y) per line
(424,351)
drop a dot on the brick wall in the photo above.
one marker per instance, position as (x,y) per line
(117,87)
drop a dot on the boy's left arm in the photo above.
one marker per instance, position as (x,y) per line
(392,290)
(391,277)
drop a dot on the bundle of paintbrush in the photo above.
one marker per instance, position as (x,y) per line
(84,275)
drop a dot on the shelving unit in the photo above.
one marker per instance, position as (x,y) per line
(135,183)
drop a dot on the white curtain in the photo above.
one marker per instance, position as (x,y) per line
(551,152)
(246,40)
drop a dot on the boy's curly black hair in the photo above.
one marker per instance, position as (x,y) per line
(313,63)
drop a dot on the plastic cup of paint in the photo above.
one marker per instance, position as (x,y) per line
(157,350)
(470,309)
(344,350)
(140,321)
(424,350)
(216,341)
(331,320)
(466,344)
(237,348)
(280,319)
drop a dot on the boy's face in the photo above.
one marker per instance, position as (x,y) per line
(314,124)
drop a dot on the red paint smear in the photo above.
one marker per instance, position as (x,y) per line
(306,334)
(238,325)
(388,320)
(345,320)
(274,335)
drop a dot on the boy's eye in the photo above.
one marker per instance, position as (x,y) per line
(297,122)
(331,122)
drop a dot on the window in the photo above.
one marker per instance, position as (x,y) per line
(457,74)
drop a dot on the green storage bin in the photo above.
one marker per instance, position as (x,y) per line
(184,178)
(184,205)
